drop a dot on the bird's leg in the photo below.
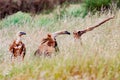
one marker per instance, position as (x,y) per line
(81,41)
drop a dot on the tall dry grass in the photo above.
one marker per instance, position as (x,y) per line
(97,59)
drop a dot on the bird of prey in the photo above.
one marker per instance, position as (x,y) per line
(79,33)
(49,44)
(17,48)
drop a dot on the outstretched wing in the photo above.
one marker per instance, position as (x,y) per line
(98,24)
(78,34)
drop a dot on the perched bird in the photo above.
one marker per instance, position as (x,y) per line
(17,48)
(49,44)
(78,34)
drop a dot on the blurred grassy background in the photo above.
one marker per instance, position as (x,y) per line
(97,59)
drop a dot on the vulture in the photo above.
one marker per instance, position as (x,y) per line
(78,34)
(49,44)
(17,48)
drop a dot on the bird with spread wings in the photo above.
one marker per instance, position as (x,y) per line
(79,33)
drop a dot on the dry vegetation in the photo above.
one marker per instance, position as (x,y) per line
(97,59)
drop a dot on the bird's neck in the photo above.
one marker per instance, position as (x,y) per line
(18,39)
(57,33)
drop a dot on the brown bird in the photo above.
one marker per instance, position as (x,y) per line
(78,34)
(17,48)
(49,44)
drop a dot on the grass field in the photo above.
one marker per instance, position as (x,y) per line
(97,59)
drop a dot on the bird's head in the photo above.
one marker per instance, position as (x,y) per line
(20,33)
(76,35)
(55,34)
(62,32)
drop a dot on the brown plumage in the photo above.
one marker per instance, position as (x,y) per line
(49,44)
(78,34)
(17,48)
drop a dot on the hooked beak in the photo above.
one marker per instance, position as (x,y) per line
(66,32)
(22,33)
